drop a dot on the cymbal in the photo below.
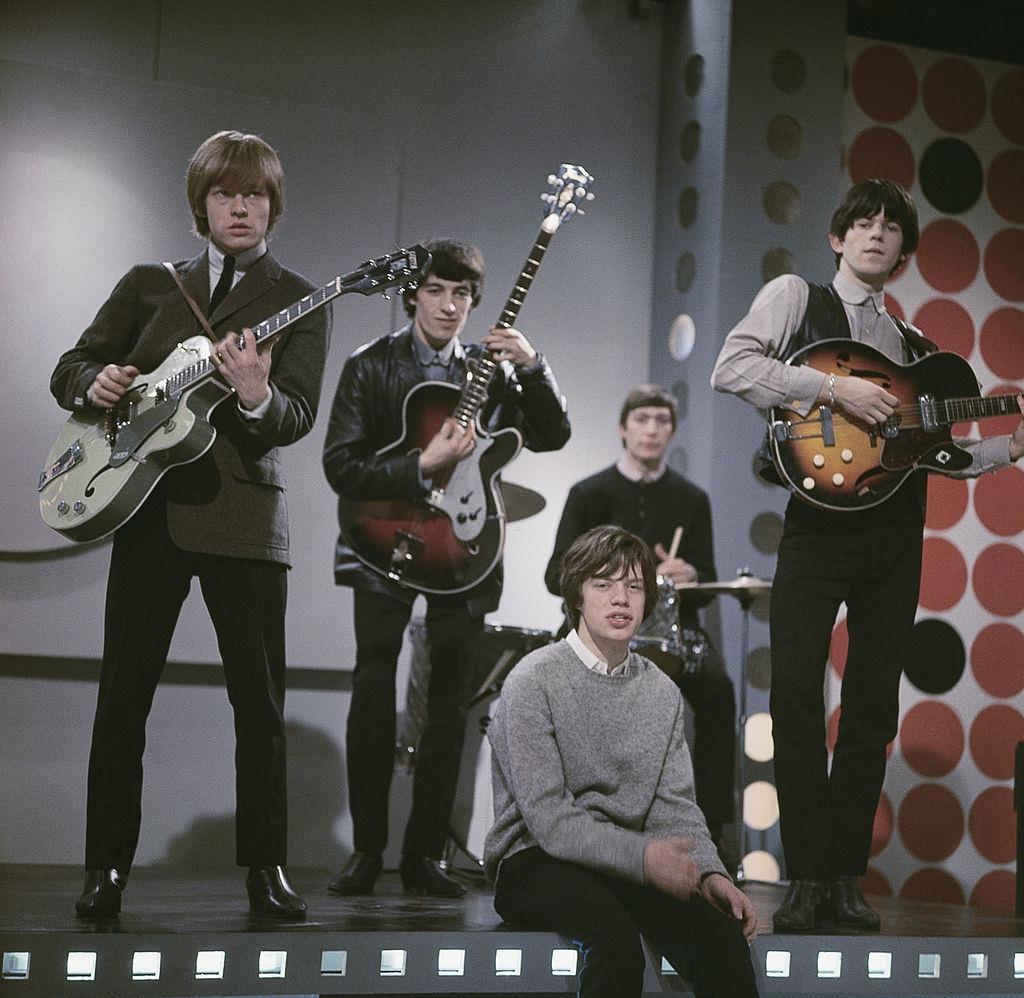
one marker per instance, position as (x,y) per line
(520,502)
(743,586)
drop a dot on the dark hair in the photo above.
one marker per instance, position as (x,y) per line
(239,161)
(451,261)
(605,552)
(867,199)
(644,395)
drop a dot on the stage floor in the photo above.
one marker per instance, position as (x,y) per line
(190,934)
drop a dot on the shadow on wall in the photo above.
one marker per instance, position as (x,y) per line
(316,793)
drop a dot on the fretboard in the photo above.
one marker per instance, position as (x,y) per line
(968,409)
(478,380)
(192,375)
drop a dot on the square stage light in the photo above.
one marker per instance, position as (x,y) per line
(880,965)
(508,962)
(392,962)
(209,964)
(1018,965)
(145,966)
(333,962)
(563,962)
(272,963)
(830,963)
(776,963)
(81,966)
(929,964)
(15,967)
(451,962)
(977,965)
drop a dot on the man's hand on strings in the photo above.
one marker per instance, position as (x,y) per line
(245,367)
(448,446)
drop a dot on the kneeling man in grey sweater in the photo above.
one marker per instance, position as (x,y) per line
(597,835)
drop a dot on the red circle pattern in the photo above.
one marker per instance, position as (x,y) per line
(948,255)
(997,660)
(998,501)
(875,882)
(893,307)
(1001,342)
(1007,100)
(884,83)
(1005,184)
(943,574)
(953,94)
(881,152)
(947,502)
(931,738)
(838,647)
(993,740)
(1003,256)
(931,884)
(994,891)
(998,579)
(992,825)
(931,822)
(948,324)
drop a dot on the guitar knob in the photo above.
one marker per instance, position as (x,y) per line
(79,507)
(62,507)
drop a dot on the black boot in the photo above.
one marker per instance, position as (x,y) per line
(271,894)
(101,895)
(421,875)
(358,875)
(805,904)
(851,910)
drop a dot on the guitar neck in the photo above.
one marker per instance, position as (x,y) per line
(204,369)
(474,393)
(969,409)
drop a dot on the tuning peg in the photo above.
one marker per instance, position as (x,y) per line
(385,296)
(590,197)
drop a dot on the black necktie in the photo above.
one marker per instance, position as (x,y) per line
(223,285)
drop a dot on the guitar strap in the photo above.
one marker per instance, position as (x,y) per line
(172,270)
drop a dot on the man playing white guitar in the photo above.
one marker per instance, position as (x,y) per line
(869,559)
(373,408)
(221,517)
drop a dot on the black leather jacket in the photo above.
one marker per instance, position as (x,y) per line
(367,415)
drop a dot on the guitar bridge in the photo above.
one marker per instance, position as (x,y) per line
(407,547)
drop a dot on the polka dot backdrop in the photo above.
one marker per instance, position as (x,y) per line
(949,128)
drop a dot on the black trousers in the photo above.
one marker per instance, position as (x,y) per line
(710,694)
(871,561)
(453,634)
(148,582)
(605,918)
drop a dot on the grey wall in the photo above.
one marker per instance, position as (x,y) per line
(395,122)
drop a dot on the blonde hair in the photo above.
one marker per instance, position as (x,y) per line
(240,161)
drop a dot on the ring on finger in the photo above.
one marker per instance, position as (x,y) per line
(241,341)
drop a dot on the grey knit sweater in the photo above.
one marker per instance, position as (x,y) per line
(591,767)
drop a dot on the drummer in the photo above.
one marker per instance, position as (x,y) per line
(641,493)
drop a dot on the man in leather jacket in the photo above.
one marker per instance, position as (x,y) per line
(367,416)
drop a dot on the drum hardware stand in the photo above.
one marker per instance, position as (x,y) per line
(746,588)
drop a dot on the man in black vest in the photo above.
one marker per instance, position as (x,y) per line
(869,559)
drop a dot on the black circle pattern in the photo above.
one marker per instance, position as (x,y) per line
(951,176)
(935,657)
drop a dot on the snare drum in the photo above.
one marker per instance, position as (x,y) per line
(500,648)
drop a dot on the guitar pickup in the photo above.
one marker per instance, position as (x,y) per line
(72,456)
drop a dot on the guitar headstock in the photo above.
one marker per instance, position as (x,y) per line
(401,271)
(567,190)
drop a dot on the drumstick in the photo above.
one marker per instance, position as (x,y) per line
(676,538)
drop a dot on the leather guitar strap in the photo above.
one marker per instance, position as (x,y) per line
(191,301)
